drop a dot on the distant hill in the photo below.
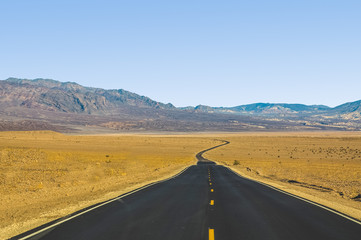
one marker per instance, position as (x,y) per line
(282,109)
(350,107)
(350,111)
(51,95)
(270,108)
(267,109)
(46,104)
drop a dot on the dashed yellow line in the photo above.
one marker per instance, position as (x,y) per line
(211,231)
(211,234)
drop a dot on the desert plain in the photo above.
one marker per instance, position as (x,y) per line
(46,175)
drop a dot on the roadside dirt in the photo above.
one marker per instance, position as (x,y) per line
(45,175)
(322,167)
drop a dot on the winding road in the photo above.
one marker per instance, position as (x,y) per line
(205,202)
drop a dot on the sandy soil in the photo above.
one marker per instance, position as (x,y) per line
(46,175)
(323,167)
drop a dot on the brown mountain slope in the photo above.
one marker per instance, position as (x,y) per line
(43,104)
(69,97)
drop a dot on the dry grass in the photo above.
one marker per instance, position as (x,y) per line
(46,175)
(42,173)
(326,163)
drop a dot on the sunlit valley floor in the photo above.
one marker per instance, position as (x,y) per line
(47,175)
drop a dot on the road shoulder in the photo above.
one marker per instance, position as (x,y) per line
(344,206)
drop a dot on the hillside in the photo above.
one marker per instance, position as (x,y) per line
(45,104)
(285,110)
(267,109)
(50,95)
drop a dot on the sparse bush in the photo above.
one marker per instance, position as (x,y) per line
(236,162)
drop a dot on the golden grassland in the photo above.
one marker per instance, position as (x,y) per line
(326,165)
(46,175)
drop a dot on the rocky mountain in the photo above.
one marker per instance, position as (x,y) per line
(45,104)
(262,109)
(284,110)
(277,108)
(350,107)
(349,111)
(70,97)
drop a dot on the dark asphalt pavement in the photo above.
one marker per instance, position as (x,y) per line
(180,208)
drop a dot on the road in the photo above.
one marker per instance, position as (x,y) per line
(207,201)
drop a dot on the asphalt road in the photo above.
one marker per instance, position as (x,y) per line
(207,201)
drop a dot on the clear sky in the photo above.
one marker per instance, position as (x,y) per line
(190,52)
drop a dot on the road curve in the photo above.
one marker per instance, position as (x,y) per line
(207,201)
(202,160)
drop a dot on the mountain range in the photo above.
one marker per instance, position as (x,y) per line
(285,110)
(67,106)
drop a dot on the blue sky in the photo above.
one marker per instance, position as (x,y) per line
(218,53)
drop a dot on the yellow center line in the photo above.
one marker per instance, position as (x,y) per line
(212,202)
(210,183)
(211,234)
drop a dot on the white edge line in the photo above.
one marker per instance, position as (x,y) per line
(100,205)
(303,199)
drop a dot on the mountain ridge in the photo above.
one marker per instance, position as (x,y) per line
(50,104)
(53,95)
(269,109)
(253,107)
